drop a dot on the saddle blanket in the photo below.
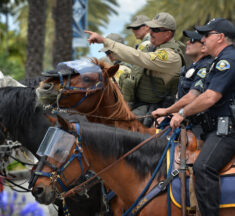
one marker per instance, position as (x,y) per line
(227,190)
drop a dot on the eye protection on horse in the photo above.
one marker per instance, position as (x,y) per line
(56,144)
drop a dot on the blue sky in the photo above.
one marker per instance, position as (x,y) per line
(116,24)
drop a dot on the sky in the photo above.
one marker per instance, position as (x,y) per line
(116,24)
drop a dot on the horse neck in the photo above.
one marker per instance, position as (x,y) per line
(122,179)
(113,106)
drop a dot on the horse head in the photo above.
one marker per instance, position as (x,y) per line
(61,154)
(76,81)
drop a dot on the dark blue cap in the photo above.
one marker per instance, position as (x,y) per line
(220,25)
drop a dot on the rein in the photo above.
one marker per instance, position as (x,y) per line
(78,187)
(64,110)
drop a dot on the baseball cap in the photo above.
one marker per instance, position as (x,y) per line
(138,21)
(115,37)
(192,34)
(164,20)
(220,25)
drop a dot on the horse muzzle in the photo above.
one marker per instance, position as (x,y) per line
(47,94)
(44,194)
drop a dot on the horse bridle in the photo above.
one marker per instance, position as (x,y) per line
(57,172)
(75,90)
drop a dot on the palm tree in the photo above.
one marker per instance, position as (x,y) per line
(62,14)
(98,13)
(36,37)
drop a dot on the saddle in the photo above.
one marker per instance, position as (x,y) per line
(192,152)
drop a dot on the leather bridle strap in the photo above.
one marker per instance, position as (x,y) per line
(78,187)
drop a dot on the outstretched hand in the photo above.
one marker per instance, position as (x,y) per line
(94,37)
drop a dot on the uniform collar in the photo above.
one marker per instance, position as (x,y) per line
(224,50)
(146,37)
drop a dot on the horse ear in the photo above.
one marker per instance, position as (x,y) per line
(63,122)
(112,70)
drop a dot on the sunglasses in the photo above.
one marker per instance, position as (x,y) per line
(156,30)
(108,52)
(137,28)
(192,40)
(207,34)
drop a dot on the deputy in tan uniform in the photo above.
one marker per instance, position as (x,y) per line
(162,65)
(141,31)
(124,68)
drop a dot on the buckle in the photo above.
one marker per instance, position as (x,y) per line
(175,172)
(161,185)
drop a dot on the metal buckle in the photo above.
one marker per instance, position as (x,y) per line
(160,184)
(175,172)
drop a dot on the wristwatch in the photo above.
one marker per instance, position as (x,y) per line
(181,112)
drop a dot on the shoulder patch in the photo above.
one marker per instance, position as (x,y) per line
(199,83)
(202,73)
(222,65)
(160,54)
(143,45)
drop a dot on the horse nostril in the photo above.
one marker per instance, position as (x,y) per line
(47,86)
(38,191)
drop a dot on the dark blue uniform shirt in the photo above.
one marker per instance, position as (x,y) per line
(221,78)
(190,75)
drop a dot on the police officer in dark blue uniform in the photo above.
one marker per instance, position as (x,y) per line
(217,101)
(201,61)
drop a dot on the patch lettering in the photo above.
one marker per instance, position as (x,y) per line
(202,73)
(222,65)
(160,54)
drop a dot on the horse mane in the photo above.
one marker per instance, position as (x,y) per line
(32,81)
(112,142)
(17,108)
(120,108)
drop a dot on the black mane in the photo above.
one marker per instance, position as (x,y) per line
(23,120)
(114,142)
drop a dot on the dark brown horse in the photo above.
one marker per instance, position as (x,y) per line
(21,120)
(102,145)
(102,105)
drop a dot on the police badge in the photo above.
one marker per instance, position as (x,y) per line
(190,72)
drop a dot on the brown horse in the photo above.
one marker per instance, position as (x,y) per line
(102,145)
(102,105)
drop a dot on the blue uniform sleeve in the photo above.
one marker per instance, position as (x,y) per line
(198,82)
(223,76)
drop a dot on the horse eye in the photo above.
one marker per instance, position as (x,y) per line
(86,79)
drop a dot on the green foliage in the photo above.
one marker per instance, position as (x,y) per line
(12,53)
(189,12)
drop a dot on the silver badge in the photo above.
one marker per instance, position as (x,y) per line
(190,72)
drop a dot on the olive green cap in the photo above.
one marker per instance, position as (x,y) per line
(162,20)
(115,37)
(138,21)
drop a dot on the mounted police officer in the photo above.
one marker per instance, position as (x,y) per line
(217,101)
(124,68)
(162,63)
(141,32)
(189,76)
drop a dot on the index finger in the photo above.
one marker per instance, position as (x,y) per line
(88,32)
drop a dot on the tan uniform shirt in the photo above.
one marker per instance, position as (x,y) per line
(164,63)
